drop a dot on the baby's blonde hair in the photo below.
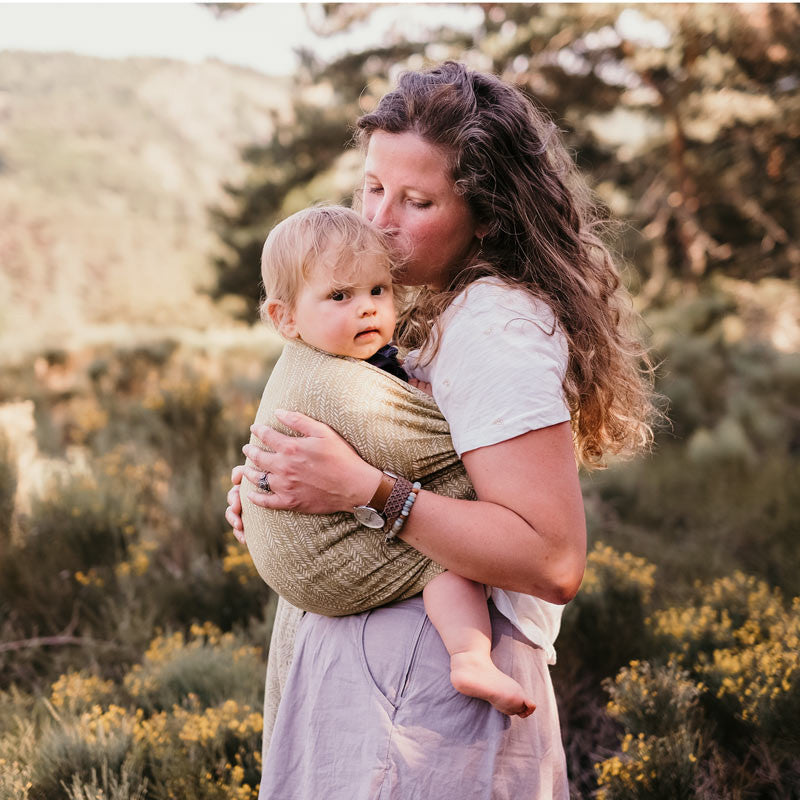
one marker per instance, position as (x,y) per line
(334,237)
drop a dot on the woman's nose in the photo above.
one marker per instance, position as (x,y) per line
(381,216)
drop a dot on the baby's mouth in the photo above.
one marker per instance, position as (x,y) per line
(366,332)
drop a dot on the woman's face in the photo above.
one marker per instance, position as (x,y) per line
(408,189)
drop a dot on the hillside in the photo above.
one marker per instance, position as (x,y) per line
(107,169)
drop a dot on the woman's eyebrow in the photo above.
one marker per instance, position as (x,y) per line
(407,187)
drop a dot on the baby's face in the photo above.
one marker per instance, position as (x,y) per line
(347,317)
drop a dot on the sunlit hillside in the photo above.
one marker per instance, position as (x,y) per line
(107,169)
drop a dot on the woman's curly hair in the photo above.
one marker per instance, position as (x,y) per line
(543,234)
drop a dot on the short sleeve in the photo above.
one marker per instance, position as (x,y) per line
(500,366)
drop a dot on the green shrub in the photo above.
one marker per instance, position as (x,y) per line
(75,693)
(652,700)
(604,626)
(735,611)
(652,768)
(18,743)
(127,786)
(210,754)
(73,538)
(78,747)
(719,718)
(210,667)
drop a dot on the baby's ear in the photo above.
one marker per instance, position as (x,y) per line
(282,318)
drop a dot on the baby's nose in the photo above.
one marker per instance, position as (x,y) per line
(367,307)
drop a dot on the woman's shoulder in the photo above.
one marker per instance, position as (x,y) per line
(495,297)
(491,306)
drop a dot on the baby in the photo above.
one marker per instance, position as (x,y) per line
(328,281)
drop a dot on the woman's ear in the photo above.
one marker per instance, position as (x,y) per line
(481,229)
(280,313)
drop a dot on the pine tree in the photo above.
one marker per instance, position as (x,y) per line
(684,117)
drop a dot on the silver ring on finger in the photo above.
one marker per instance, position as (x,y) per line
(263,483)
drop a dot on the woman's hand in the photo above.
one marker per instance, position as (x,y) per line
(233,513)
(317,472)
(423,386)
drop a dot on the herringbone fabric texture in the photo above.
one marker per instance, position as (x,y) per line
(329,564)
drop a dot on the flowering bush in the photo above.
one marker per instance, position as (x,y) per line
(100,737)
(205,754)
(209,667)
(604,626)
(651,768)
(728,694)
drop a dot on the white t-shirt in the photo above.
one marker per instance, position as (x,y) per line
(497,374)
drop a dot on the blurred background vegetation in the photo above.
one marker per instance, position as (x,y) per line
(134,197)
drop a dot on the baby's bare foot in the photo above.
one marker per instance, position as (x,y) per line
(476,675)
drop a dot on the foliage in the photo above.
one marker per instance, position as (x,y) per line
(720,689)
(209,754)
(683,117)
(130,533)
(185,722)
(653,700)
(210,668)
(78,746)
(651,768)
(108,786)
(605,623)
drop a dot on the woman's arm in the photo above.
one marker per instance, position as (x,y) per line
(525,533)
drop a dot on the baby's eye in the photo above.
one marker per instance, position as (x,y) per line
(378,290)
(337,296)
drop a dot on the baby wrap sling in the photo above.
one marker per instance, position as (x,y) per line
(329,563)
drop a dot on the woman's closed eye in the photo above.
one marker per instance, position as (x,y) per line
(375,189)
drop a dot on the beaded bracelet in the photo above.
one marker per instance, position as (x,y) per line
(400,521)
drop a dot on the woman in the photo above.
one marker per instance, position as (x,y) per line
(521,327)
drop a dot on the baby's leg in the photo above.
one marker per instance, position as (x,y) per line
(457,608)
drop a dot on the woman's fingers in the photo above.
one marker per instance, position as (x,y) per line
(235,521)
(316,472)
(255,476)
(307,426)
(271,500)
(236,474)
(261,459)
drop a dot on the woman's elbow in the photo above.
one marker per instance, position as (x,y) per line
(566,590)
(563,584)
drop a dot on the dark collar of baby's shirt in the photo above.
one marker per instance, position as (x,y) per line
(387,360)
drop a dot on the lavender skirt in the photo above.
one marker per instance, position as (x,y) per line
(368,713)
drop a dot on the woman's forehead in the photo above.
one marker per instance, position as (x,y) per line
(408,160)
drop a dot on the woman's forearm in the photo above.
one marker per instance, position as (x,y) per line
(527,531)
(491,544)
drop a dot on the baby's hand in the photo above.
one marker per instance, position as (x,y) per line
(421,385)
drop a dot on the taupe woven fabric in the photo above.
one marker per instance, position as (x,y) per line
(329,564)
